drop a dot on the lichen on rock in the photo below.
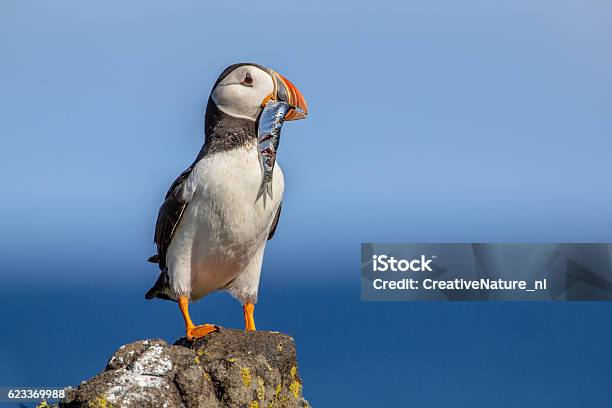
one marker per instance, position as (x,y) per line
(229,368)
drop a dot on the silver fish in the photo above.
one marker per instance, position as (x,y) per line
(268,136)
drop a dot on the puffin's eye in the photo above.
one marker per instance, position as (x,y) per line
(248,80)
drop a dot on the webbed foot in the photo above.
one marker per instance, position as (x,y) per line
(197,332)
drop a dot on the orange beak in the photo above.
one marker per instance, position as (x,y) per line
(287,92)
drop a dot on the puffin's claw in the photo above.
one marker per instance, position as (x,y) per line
(192,331)
(197,332)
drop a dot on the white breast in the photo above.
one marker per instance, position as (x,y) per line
(222,235)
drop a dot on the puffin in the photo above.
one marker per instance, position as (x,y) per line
(213,225)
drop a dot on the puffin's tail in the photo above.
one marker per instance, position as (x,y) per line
(160,289)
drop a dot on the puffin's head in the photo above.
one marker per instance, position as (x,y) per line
(242,90)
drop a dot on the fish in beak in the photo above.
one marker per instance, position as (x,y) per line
(285,103)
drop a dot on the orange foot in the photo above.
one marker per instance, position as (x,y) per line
(193,331)
(197,332)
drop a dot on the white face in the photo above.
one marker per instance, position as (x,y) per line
(241,93)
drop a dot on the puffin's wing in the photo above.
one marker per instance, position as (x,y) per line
(275,222)
(170,213)
(169,216)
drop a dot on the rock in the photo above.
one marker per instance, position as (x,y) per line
(229,368)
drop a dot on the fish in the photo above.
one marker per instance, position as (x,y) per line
(268,137)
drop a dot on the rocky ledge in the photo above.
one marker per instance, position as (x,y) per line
(229,368)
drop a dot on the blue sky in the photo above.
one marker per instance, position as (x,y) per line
(437,121)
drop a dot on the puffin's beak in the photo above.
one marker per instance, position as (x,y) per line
(287,92)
